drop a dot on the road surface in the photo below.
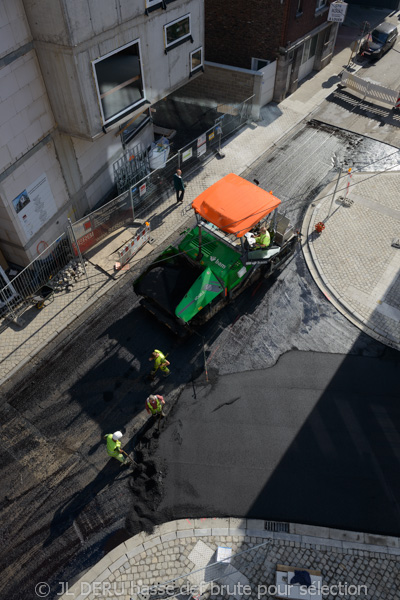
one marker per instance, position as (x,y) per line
(64,503)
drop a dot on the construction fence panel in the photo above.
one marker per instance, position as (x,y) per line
(155,188)
(234,116)
(369,89)
(199,149)
(131,167)
(158,186)
(97,225)
(27,287)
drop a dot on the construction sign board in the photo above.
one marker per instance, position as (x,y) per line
(337,11)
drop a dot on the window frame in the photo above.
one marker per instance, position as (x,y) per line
(309,45)
(327,35)
(151,5)
(129,137)
(321,4)
(255,60)
(182,39)
(131,107)
(200,66)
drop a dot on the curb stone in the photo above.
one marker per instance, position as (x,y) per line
(323,538)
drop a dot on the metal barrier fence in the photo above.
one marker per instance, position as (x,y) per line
(369,89)
(97,225)
(29,285)
(156,187)
(36,284)
(132,166)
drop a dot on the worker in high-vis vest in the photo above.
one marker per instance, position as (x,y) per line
(160,362)
(263,239)
(154,406)
(114,446)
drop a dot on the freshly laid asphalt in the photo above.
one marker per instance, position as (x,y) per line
(290,446)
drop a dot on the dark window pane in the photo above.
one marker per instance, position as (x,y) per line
(178,30)
(119,79)
(313,46)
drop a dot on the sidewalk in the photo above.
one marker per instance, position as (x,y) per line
(352,260)
(180,559)
(18,346)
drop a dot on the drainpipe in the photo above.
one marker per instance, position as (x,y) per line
(285,20)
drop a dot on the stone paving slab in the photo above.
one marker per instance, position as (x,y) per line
(189,568)
(352,260)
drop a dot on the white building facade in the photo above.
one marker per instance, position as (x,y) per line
(77,80)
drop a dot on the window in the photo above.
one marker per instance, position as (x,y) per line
(320,4)
(309,49)
(196,59)
(259,63)
(299,8)
(119,81)
(133,127)
(152,4)
(177,32)
(327,35)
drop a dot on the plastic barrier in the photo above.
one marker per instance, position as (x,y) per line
(125,254)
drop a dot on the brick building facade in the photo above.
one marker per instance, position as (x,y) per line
(249,34)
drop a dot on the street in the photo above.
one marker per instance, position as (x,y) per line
(310,440)
(297,387)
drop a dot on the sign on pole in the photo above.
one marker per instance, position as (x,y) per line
(337,11)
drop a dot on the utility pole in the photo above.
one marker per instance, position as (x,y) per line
(334,193)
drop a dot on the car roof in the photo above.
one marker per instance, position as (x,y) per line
(234,204)
(385,27)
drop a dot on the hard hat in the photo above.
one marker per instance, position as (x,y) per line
(152,397)
(117,435)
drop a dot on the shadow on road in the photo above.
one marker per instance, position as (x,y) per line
(66,515)
(358,106)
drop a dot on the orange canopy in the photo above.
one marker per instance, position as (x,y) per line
(234,204)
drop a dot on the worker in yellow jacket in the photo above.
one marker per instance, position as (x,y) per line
(154,406)
(114,446)
(263,239)
(160,362)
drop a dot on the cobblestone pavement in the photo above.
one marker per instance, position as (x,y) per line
(18,345)
(352,260)
(180,559)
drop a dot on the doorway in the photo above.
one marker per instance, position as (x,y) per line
(308,57)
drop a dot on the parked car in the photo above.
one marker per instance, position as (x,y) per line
(380,40)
